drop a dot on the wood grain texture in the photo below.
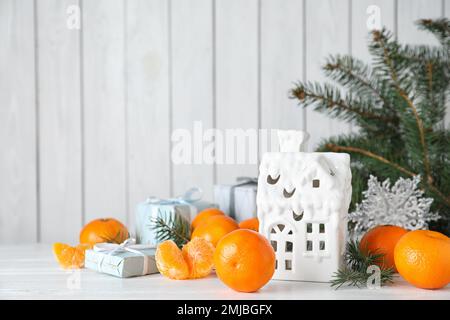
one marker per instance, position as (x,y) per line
(59,123)
(109,95)
(147,101)
(30,272)
(281,66)
(104,109)
(362,11)
(412,10)
(237,78)
(327,23)
(192,87)
(18,192)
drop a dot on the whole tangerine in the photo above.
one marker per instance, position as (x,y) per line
(244,260)
(422,258)
(252,224)
(205,215)
(214,228)
(104,230)
(382,239)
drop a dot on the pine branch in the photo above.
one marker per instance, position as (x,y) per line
(381,40)
(398,104)
(353,73)
(326,98)
(354,273)
(439,27)
(171,227)
(372,155)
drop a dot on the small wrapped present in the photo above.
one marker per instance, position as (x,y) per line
(237,200)
(186,206)
(124,260)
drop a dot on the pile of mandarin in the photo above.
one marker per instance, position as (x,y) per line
(245,261)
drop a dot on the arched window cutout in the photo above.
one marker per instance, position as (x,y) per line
(282,241)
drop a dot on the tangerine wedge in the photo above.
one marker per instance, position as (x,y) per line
(170,261)
(199,255)
(70,257)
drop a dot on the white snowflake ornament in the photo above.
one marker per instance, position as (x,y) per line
(401,205)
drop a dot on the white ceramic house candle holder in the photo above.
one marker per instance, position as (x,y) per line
(302,203)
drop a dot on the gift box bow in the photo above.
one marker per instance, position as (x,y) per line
(188,198)
(129,245)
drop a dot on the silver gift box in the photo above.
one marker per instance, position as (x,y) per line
(122,263)
(238,200)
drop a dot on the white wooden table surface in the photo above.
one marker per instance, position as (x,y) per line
(30,272)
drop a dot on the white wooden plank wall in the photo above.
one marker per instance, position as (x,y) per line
(60,149)
(192,84)
(327,32)
(147,101)
(86,114)
(18,136)
(237,98)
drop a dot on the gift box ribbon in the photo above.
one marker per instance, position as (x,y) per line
(189,197)
(129,245)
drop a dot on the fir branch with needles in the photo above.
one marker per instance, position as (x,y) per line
(357,261)
(398,101)
(172,227)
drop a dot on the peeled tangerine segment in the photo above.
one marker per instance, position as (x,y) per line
(199,255)
(70,257)
(170,261)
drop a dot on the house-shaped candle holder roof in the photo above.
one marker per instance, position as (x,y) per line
(303,200)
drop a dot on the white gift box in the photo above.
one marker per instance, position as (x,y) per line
(238,200)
